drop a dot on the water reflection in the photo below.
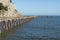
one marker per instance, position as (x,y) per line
(41,28)
(6,34)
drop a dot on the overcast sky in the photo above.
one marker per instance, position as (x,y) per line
(38,7)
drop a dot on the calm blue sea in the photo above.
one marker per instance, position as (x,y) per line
(40,28)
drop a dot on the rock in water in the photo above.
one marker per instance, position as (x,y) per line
(8,9)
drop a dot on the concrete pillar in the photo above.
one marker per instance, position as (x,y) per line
(24,20)
(17,21)
(6,25)
(21,20)
(12,23)
(9,24)
(1,26)
(0,31)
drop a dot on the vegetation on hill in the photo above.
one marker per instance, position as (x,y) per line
(3,8)
(10,1)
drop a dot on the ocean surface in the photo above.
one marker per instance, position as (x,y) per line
(40,28)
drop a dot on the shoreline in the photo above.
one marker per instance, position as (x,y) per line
(7,24)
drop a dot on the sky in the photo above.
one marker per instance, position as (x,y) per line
(38,7)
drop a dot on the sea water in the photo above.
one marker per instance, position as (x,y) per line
(40,28)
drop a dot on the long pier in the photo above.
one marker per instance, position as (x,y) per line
(7,23)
